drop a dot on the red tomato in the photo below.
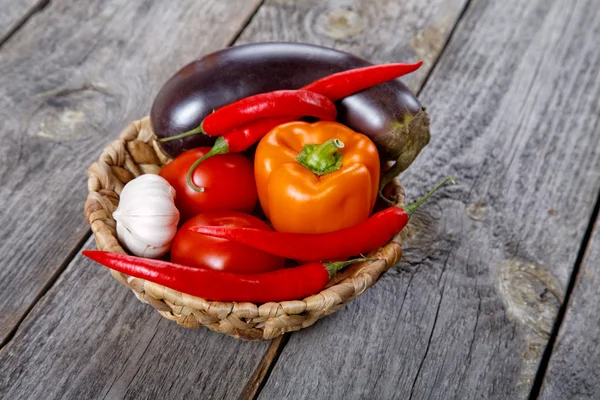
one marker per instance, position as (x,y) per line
(197,250)
(227,179)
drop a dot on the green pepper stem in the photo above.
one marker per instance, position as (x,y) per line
(220,147)
(412,207)
(197,130)
(334,267)
(322,158)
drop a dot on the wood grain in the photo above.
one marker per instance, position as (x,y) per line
(515,112)
(70,80)
(380,31)
(396,30)
(573,369)
(89,337)
(14,13)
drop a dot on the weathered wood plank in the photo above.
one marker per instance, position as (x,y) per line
(89,337)
(394,30)
(573,369)
(14,13)
(70,80)
(515,111)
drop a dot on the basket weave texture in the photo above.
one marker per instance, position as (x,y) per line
(136,153)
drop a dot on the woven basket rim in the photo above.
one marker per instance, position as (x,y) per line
(136,152)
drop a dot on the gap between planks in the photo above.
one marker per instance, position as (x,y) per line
(460,18)
(19,24)
(545,361)
(49,284)
(263,370)
(439,57)
(251,16)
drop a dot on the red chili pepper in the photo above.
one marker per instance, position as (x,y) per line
(358,239)
(284,284)
(241,139)
(335,87)
(346,83)
(280,103)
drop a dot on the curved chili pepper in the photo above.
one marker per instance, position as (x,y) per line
(280,285)
(280,103)
(346,83)
(343,243)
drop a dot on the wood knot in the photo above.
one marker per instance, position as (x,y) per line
(532,295)
(340,23)
(476,211)
(65,113)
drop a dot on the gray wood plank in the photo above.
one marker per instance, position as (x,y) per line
(70,80)
(394,30)
(573,369)
(89,337)
(14,13)
(514,102)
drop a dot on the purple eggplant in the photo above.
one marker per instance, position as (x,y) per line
(389,114)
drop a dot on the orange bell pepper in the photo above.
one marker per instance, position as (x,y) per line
(316,178)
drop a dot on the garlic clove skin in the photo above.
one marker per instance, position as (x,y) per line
(139,247)
(146,216)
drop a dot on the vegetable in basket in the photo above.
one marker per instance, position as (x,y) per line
(389,113)
(225,182)
(146,216)
(315,178)
(195,250)
(281,285)
(358,239)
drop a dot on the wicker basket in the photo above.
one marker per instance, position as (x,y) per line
(136,153)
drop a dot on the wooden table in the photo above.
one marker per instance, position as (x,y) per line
(498,290)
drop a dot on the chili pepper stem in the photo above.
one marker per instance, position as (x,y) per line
(334,267)
(195,131)
(410,209)
(322,158)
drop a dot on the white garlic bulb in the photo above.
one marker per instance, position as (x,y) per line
(146,216)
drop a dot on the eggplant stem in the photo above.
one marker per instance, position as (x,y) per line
(389,175)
